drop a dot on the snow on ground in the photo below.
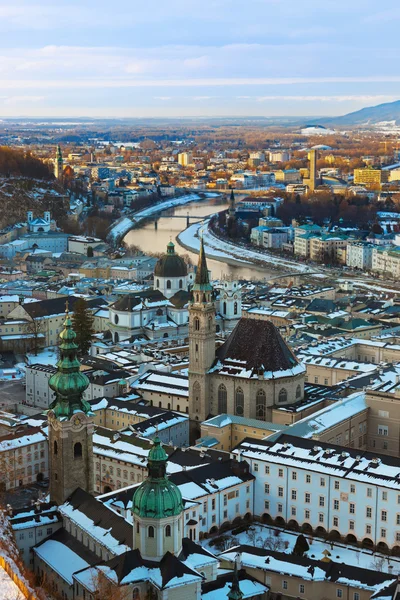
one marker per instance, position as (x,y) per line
(221,249)
(8,589)
(122,227)
(46,356)
(340,553)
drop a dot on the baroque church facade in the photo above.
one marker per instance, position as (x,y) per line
(252,371)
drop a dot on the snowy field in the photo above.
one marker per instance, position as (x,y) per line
(8,589)
(126,224)
(220,250)
(263,536)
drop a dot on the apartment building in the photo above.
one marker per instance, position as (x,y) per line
(24,458)
(359,255)
(347,493)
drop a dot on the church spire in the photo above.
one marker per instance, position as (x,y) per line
(202,280)
(68,382)
(235,592)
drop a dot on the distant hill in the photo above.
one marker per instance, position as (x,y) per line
(390,111)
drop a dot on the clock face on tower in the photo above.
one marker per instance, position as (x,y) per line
(77,421)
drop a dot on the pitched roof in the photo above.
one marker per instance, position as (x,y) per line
(129,301)
(259,345)
(56,306)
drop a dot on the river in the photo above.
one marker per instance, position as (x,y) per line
(149,239)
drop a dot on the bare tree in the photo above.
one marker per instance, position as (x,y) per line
(108,590)
(35,329)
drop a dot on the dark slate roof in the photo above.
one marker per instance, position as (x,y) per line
(56,306)
(215,470)
(129,301)
(222,580)
(190,547)
(102,516)
(322,305)
(180,299)
(259,345)
(170,566)
(170,265)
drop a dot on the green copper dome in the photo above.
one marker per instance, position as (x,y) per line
(157,497)
(69,382)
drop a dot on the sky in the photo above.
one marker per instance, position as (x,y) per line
(176,58)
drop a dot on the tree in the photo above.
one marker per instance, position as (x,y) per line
(82,323)
(35,330)
(301,546)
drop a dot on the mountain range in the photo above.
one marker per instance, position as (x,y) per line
(390,111)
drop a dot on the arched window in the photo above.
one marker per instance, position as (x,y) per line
(116,319)
(168,284)
(158,283)
(298,392)
(235,308)
(151,531)
(239,402)
(180,284)
(55,448)
(209,323)
(197,324)
(168,531)
(224,309)
(260,405)
(116,337)
(222,399)
(196,396)
(135,594)
(78,450)
(282,395)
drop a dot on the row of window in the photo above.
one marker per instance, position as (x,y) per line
(261,399)
(285,586)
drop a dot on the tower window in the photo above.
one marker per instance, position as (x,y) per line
(168,284)
(168,531)
(116,319)
(78,450)
(55,448)
(235,308)
(158,283)
(222,399)
(196,396)
(180,284)
(197,324)
(298,392)
(224,310)
(151,531)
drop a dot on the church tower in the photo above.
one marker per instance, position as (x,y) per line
(70,423)
(157,510)
(59,165)
(201,344)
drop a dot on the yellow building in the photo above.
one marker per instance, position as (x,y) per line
(224,432)
(370,176)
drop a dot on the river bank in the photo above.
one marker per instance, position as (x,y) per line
(228,252)
(128,222)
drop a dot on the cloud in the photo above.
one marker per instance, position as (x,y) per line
(22,99)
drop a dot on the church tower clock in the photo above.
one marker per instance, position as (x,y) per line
(201,344)
(70,423)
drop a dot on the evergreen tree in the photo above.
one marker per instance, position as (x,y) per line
(301,546)
(82,323)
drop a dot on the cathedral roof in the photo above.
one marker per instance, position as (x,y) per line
(180,299)
(130,302)
(258,347)
(170,264)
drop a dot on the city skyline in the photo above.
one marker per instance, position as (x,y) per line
(219,58)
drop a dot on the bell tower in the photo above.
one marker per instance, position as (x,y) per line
(70,423)
(201,344)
